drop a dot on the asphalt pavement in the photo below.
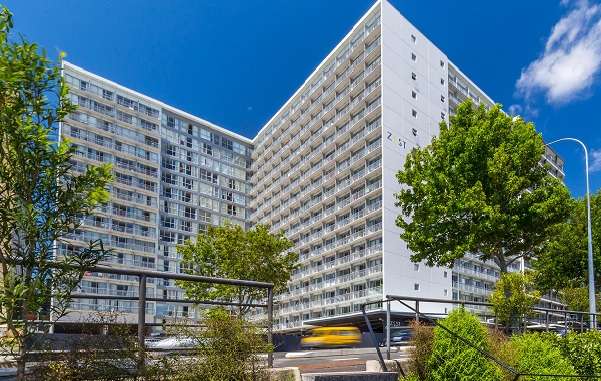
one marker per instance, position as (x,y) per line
(332,360)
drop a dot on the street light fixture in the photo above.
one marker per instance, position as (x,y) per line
(591,272)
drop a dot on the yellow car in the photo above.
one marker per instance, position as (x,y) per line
(324,337)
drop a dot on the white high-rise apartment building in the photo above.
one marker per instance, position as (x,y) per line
(322,170)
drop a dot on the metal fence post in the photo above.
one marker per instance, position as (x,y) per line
(547,321)
(565,321)
(417,310)
(388,330)
(141,320)
(270,325)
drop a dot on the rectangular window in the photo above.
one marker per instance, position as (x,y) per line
(413,76)
(416,286)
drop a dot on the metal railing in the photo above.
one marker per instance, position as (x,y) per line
(413,304)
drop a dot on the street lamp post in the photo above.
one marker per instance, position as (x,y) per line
(591,271)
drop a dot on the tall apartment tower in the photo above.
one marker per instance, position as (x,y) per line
(322,170)
(174,174)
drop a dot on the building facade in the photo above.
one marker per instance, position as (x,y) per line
(322,170)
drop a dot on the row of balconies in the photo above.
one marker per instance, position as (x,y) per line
(307,130)
(343,298)
(374,125)
(350,277)
(340,261)
(326,212)
(480,290)
(473,273)
(331,72)
(340,240)
(317,150)
(324,198)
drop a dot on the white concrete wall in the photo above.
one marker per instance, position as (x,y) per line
(401,133)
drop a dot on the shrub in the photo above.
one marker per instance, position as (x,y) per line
(421,342)
(536,354)
(583,350)
(453,359)
(229,350)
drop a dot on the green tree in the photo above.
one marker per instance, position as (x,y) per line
(41,199)
(479,187)
(231,252)
(564,259)
(513,298)
(576,299)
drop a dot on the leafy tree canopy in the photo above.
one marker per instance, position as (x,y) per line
(564,259)
(231,252)
(479,187)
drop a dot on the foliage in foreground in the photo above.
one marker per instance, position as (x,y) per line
(451,359)
(479,188)
(229,349)
(444,357)
(583,350)
(41,199)
(537,355)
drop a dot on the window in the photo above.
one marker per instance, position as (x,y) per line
(227,143)
(171,150)
(413,76)
(416,267)
(413,39)
(445,274)
(413,94)
(446,292)
(190,212)
(186,226)
(442,98)
(442,81)
(413,57)
(441,63)
(414,113)
(416,286)
(414,131)
(232,210)
(442,115)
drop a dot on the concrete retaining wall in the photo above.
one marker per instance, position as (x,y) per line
(351,376)
(284,374)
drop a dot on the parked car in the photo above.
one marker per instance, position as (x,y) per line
(398,336)
(172,343)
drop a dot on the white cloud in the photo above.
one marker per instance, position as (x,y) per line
(595,164)
(571,59)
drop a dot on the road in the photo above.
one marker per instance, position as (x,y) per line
(327,360)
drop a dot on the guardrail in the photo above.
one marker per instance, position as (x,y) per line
(141,298)
(434,318)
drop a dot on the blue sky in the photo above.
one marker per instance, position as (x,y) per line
(236,62)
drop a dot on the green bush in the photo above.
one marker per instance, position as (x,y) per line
(452,359)
(583,350)
(536,354)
